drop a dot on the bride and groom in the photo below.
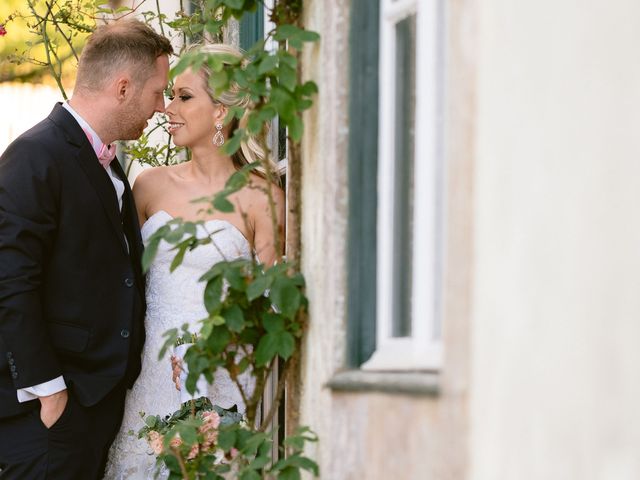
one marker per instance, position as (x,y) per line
(74,310)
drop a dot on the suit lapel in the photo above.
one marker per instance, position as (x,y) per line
(90,165)
(101,182)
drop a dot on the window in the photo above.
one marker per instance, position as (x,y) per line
(408,196)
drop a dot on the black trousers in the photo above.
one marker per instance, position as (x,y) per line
(74,448)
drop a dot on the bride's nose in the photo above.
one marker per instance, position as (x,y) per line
(169,109)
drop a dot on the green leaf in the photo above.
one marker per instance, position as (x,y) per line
(218,340)
(285,32)
(219,81)
(235,278)
(304,104)
(151,421)
(260,461)
(226,439)
(268,63)
(234,318)
(309,36)
(289,473)
(295,128)
(177,260)
(207,327)
(267,349)
(285,296)
(289,59)
(284,103)
(248,474)
(305,463)
(240,78)
(255,441)
(258,286)
(188,434)
(175,235)
(250,336)
(173,465)
(271,344)
(221,204)
(213,295)
(309,88)
(273,323)
(150,253)
(287,77)
(185,62)
(232,145)
(237,180)
(243,365)
(172,336)
(235,4)
(254,125)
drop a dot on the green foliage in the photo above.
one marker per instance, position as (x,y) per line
(44,38)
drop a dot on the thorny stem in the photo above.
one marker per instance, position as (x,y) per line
(183,467)
(47,45)
(59,28)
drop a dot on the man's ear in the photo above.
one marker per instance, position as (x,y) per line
(123,88)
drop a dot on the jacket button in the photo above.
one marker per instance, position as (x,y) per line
(128,282)
(11,361)
(14,375)
(124,333)
(9,354)
(12,368)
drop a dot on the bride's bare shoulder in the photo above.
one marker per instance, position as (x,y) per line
(156,179)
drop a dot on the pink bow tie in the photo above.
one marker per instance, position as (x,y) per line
(107,152)
(106,155)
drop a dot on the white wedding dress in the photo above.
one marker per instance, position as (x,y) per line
(172,300)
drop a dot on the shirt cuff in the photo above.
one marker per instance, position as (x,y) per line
(42,390)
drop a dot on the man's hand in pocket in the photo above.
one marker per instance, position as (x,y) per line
(52,407)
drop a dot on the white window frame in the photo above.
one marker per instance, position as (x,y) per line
(422,350)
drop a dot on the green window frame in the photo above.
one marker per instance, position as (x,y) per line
(362,181)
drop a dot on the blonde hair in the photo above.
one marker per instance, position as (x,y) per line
(251,149)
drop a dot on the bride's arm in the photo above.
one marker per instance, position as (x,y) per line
(144,188)
(265,243)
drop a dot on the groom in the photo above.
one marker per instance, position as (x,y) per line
(71,287)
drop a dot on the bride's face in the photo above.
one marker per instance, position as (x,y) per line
(192,114)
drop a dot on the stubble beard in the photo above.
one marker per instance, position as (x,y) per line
(130,122)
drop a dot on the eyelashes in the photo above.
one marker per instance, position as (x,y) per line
(183,98)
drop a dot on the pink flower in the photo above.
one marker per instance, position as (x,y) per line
(209,429)
(3,31)
(155,442)
(211,420)
(195,449)
(175,441)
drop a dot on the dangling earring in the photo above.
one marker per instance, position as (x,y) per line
(218,138)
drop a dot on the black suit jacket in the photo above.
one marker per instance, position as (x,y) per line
(71,286)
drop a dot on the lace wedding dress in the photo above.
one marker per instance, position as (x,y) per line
(172,300)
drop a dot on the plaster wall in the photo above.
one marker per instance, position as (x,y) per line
(555,363)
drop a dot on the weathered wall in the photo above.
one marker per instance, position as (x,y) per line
(556,363)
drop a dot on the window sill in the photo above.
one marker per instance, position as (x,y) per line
(404,383)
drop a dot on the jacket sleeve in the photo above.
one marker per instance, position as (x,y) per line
(29,198)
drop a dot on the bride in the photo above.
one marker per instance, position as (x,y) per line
(196,119)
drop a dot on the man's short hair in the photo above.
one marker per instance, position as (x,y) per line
(122,44)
